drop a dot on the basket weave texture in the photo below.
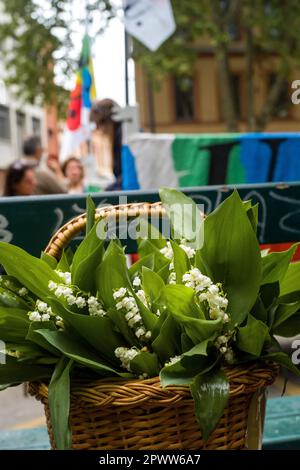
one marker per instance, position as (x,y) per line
(139,414)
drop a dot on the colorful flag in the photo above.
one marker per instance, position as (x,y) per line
(77,125)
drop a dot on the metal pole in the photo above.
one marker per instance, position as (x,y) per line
(126,42)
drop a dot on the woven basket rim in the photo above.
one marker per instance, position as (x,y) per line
(116,391)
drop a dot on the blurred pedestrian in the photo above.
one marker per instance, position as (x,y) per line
(47,182)
(20,180)
(73,171)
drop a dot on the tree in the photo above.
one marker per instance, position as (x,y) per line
(41,31)
(36,45)
(270,28)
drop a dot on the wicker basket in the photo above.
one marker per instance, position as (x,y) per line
(114,413)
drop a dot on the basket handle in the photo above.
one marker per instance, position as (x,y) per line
(68,231)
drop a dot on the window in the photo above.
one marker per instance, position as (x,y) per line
(4,123)
(236,89)
(21,131)
(36,126)
(184,99)
(283,103)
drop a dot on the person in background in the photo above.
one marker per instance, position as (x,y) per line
(73,171)
(47,182)
(20,180)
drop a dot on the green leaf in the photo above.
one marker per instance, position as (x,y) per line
(84,276)
(178,374)
(231,252)
(86,247)
(167,343)
(14,324)
(210,393)
(36,338)
(145,362)
(185,217)
(59,404)
(15,372)
(147,247)
(112,274)
(290,327)
(90,214)
(291,280)
(99,332)
(275,265)
(150,232)
(251,337)
(181,262)
(252,214)
(282,359)
(180,300)
(63,264)
(259,310)
(147,261)
(32,272)
(201,348)
(153,284)
(50,260)
(78,352)
(11,300)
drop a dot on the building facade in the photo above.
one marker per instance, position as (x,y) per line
(194,106)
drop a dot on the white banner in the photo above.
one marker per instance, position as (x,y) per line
(149,21)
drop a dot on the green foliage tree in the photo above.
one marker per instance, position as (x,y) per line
(268,27)
(36,45)
(36,42)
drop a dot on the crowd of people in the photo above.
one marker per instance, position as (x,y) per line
(30,175)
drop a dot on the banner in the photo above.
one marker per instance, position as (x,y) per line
(77,128)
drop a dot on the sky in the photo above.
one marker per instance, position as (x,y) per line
(108,51)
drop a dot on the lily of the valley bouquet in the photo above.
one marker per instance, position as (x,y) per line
(183,311)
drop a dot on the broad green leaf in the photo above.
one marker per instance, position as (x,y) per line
(252,214)
(269,294)
(146,247)
(210,393)
(259,310)
(59,404)
(11,300)
(251,338)
(14,324)
(201,348)
(177,374)
(145,362)
(282,359)
(79,352)
(288,328)
(88,245)
(36,338)
(167,343)
(112,274)
(181,262)
(231,252)
(284,312)
(186,342)
(185,217)
(181,300)
(90,214)
(99,332)
(275,265)
(149,319)
(153,284)
(32,272)
(50,260)
(118,318)
(150,232)
(291,280)
(64,264)
(84,275)
(15,372)
(136,268)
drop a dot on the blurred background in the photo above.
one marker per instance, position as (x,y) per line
(100,95)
